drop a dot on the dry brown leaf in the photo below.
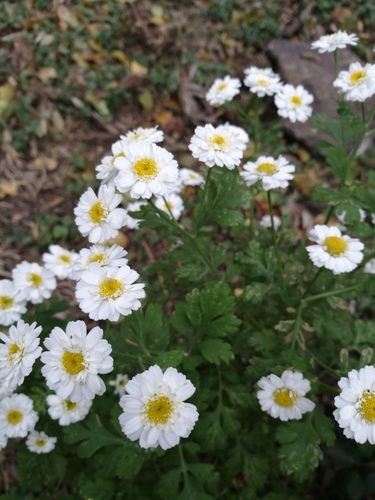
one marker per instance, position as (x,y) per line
(45,73)
(8,188)
(67,18)
(137,69)
(163,118)
(58,121)
(44,162)
(47,39)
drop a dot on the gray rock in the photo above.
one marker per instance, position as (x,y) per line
(298,64)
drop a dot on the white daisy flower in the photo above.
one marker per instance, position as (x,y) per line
(242,134)
(18,352)
(5,390)
(222,90)
(65,411)
(33,282)
(262,81)
(17,416)
(3,441)
(339,40)
(358,83)
(97,216)
(222,146)
(340,254)
(294,103)
(265,221)
(355,405)
(282,397)
(273,173)
(106,171)
(59,261)
(39,442)
(141,134)
(111,257)
(119,384)
(106,293)
(369,267)
(11,306)
(74,360)
(191,178)
(171,203)
(154,408)
(146,170)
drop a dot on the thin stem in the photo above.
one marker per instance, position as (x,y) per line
(182,231)
(328,388)
(322,364)
(184,469)
(141,342)
(256,126)
(329,215)
(297,325)
(336,63)
(312,282)
(125,355)
(363,112)
(203,195)
(251,219)
(277,254)
(332,292)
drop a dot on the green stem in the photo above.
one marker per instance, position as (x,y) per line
(336,63)
(297,325)
(184,470)
(328,388)
(322,364)
(363,112)
(125,355)
(277,254)
(256,127)
(332,292)
(329,215)
(141,342)
(312,282)
(251,219)
(184,233)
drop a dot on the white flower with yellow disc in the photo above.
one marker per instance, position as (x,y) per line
(262,81)
(17,416)
(273,173)
(18,352)
(222,146)
(11,306)
(334,251)
(106,170)
(119,383)
(98,216)
(33,282)
(283,397)
(171,204)
(355,405)
(111,257)
(294,103)
(155,411)
(106,293)
(141,134)
(338,40)
(189,177)
(59,261)
(65,411)
(74,361)
(39,442)
(146,170)
(222,90)
(358,83)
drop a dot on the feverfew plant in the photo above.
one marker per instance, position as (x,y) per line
(230,352)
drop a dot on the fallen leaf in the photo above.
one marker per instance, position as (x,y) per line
(98,103)
(58,121)
(45,73)
(77,102)
(163,118)
(67,18)
(146,100)
(7,92)
(120,56)
(137,69)
(45,162)
(8,188)
(47,39)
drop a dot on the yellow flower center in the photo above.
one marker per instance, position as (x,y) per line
(297,101)
(146,169)
(73,362)
(335,246)
(13,349)
(221,87)
(366,406)
(100,258)
(117,156)
(285,397)
(35,279)
(14,417)
(357,77)
(159,410)
(65,259)
(219,142)
(263,82)
(111,288)
(40,442)
(5,302)
(267,168)
(122,383)
(98,212)
(69,405)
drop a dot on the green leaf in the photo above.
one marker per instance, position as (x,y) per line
(94,435)
(216,350)
(299,451)
(255,292)
(130,464)
(167,359)
(229,217)
(167,487)
(156,330)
